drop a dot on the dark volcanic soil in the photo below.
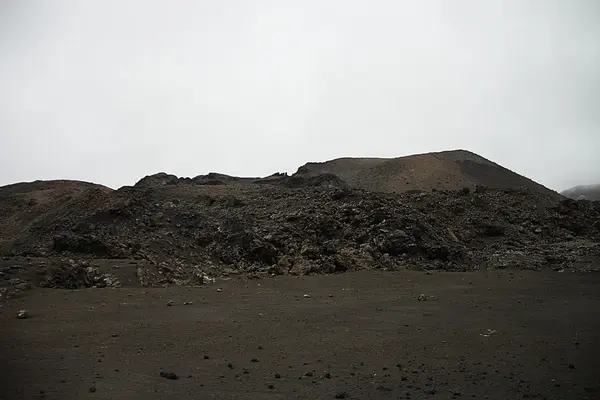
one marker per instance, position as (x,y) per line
(339,314)
(363,335)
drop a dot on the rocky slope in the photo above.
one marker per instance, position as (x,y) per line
(183,231)
(449,170)
(23,205)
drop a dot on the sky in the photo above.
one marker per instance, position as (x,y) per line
(110,91)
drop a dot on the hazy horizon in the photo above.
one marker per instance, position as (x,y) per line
(109,92)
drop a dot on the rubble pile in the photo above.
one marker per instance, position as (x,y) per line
(10,284)
(289,225)
(77,275)
(173,272)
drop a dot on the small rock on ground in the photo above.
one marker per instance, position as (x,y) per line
(169,375)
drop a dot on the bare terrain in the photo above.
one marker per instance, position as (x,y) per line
(24,204)
(447,170)
(432,276)
(365,335)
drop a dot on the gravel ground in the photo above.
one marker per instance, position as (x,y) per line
(364,335)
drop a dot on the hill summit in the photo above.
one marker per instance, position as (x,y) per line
(583,192)
(447,170)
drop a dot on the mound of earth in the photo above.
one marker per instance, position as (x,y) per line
(214,179)
(312,225)
(23,205)
(448,170)
(583,192)
(326,218)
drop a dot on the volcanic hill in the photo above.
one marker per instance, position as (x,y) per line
(320,220)
(24,204)
(447,170)
(583,192)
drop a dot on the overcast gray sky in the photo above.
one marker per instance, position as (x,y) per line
(111,90)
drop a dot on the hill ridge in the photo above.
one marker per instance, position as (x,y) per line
(445,170)
(583,192)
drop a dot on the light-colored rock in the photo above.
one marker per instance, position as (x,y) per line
(22,287)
